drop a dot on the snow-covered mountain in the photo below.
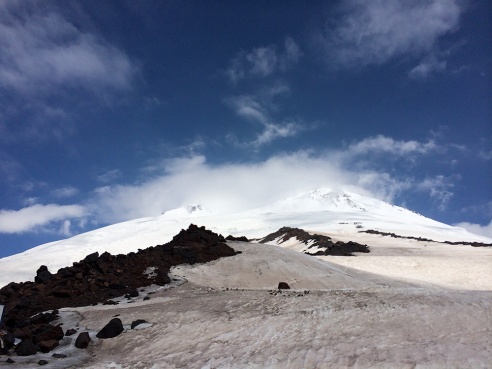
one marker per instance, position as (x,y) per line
(339,214)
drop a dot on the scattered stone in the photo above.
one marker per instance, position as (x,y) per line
(83,340)
(283,286)
(112,329)
(42,362)
(146,298)
(10,361)
(132,293)
(137,322)
(70,332)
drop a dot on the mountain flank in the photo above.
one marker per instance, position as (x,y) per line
(96,279)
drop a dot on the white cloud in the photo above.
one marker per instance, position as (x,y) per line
(374,32)
(426,67)
(248,107)
(383,144)
(41,51)
(483,230)
(230,187)
(65,228)
(263,61)
(109,176)
(383,184)
(439,189)
(220,188)
(32,217)
(273,131)
(64,192)
(31,201)
(485,154)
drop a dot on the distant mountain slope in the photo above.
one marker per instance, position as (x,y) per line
(337,214)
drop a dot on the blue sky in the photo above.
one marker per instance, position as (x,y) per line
(122,109)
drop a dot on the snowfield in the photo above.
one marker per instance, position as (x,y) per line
(340,215)
(406,304)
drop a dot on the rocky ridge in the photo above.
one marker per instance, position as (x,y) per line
(329,247)
(95,279)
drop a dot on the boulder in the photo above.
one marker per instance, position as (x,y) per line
(48,345)
(112,329)
(26,348)
(83,340)
(283,286)
(70,332)
(137,322)
(43,274)
(49,333)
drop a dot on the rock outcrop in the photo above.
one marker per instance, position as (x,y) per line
(96,279)
(324,244)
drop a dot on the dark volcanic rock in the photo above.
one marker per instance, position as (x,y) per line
(241,238)
(70,332)
(137,322)
(43,274)
(393,235)
(48,345)
(49,332)
(83,340)
(26,348)
(92,258)
(338,248)
(98,278)
(10,361)
(112,329)
(283,286)
(42,362)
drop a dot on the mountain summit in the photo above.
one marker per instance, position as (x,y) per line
(338,214)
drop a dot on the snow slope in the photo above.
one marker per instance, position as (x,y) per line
(339,214)
(229,316)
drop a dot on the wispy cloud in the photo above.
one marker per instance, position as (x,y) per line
(426,67)
(41,51)
(109,176)
(263,61)
(220,188)
(439,188)
(485,154)
(48,62)
(375,32)
(247,107)
(388,145)
(36,216)
(484,230)
(65,192)
(10,168)
(230,187)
